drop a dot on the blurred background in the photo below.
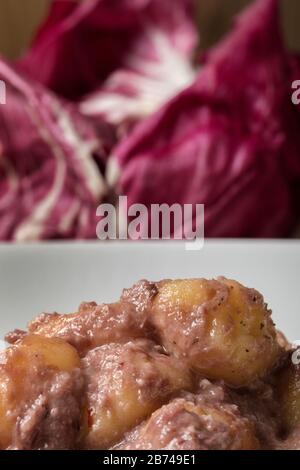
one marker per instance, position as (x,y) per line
(238,147)
(19,18)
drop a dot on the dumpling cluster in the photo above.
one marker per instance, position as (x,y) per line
(176,364)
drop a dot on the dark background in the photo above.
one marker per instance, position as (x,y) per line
(19,18)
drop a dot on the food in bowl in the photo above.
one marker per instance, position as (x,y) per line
(189,364)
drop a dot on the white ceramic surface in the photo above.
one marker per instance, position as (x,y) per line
(48,277)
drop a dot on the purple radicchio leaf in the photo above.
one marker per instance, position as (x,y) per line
(50,160)
(230,141)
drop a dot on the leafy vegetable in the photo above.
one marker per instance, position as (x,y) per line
(156,66)
(230,141)
(50,160)
(135,53)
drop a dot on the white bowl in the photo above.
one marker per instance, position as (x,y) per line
(51,277)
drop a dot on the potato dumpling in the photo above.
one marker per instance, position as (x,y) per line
(184,424)
(289,396)
(92,326)
(36,375)
(49,352)
(223,329)
(125,384)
